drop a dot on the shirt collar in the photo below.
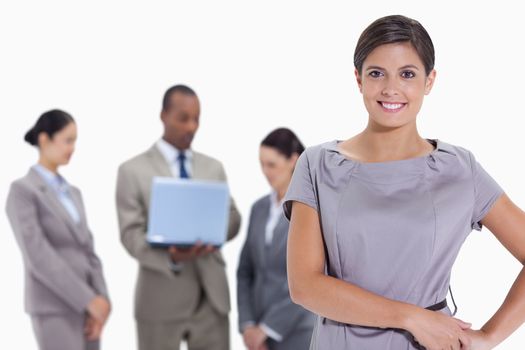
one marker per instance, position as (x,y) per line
(440,146)
(54,180)
(273,200)
(170,152)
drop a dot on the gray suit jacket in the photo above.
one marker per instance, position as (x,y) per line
(262,282)
(62,271)
(160,294)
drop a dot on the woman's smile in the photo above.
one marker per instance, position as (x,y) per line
(392,107)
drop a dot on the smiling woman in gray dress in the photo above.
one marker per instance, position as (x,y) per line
(65,291)
(268,319)
(377,220)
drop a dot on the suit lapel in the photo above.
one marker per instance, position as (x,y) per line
(261,237)
(159,162)
(51,199)
(75,197)
(198,167)
(279,234)
(81,228)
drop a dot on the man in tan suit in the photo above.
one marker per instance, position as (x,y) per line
(180,294)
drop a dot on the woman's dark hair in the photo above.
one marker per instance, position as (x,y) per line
(285,141)
(50,123)
(395,29)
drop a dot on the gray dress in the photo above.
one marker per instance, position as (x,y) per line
(394,228)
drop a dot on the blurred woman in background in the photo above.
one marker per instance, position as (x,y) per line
(65,291)
(267,317)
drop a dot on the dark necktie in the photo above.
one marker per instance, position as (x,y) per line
(183,174)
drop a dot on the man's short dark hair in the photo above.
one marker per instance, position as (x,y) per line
(183,89)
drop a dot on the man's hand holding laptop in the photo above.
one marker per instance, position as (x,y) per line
(179,254)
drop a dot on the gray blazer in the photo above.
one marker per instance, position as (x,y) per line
(262,282)
(161,295)
(62,272)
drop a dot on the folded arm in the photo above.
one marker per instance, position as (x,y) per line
(345,302)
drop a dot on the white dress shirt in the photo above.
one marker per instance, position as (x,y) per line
(276,211)
(171,154)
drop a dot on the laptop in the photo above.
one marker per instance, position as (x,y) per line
(184,211)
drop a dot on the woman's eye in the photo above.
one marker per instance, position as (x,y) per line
(375,74)
(408,74)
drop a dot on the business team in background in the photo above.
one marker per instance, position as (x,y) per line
(181,294)
(386,173)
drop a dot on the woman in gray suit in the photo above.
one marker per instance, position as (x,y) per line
(268,319)
(65,291)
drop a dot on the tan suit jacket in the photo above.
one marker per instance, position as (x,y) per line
(160,294)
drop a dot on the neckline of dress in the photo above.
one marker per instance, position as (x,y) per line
(435,142)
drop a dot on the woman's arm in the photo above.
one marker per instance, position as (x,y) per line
(507,222)
(344,302)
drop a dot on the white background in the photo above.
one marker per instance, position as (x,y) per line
(255,66)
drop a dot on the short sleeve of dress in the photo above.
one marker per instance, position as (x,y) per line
(486,192)
(301,186)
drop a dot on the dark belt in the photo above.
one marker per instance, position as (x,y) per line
(442,304)
(438,306)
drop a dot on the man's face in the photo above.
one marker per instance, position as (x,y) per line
(181,119)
